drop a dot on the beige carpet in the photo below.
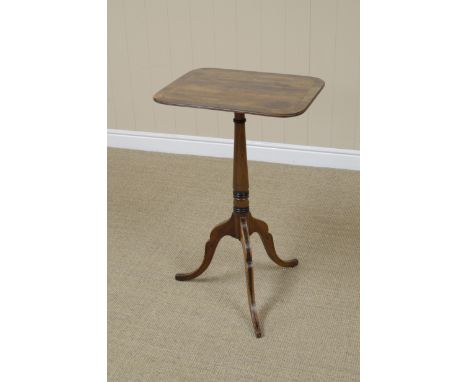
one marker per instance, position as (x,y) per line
(161,210)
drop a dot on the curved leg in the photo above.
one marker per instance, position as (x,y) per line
(245,240)
(261,228)
(225,228)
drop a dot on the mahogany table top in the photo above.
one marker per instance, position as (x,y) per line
(269,94)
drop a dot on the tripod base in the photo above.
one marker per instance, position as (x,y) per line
(241,226)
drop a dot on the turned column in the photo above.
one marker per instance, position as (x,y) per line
(240,182)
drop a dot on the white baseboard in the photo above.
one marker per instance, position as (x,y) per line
(223,148)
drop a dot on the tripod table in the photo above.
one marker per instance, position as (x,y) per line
(242,92)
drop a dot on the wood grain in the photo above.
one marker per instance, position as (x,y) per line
(269,94)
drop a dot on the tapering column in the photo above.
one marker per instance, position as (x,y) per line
(240,172)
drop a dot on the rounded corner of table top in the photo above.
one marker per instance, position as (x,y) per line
(157,98)
(301,107)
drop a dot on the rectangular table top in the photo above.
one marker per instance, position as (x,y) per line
(269,94)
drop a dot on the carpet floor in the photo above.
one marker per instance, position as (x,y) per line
(161,208)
